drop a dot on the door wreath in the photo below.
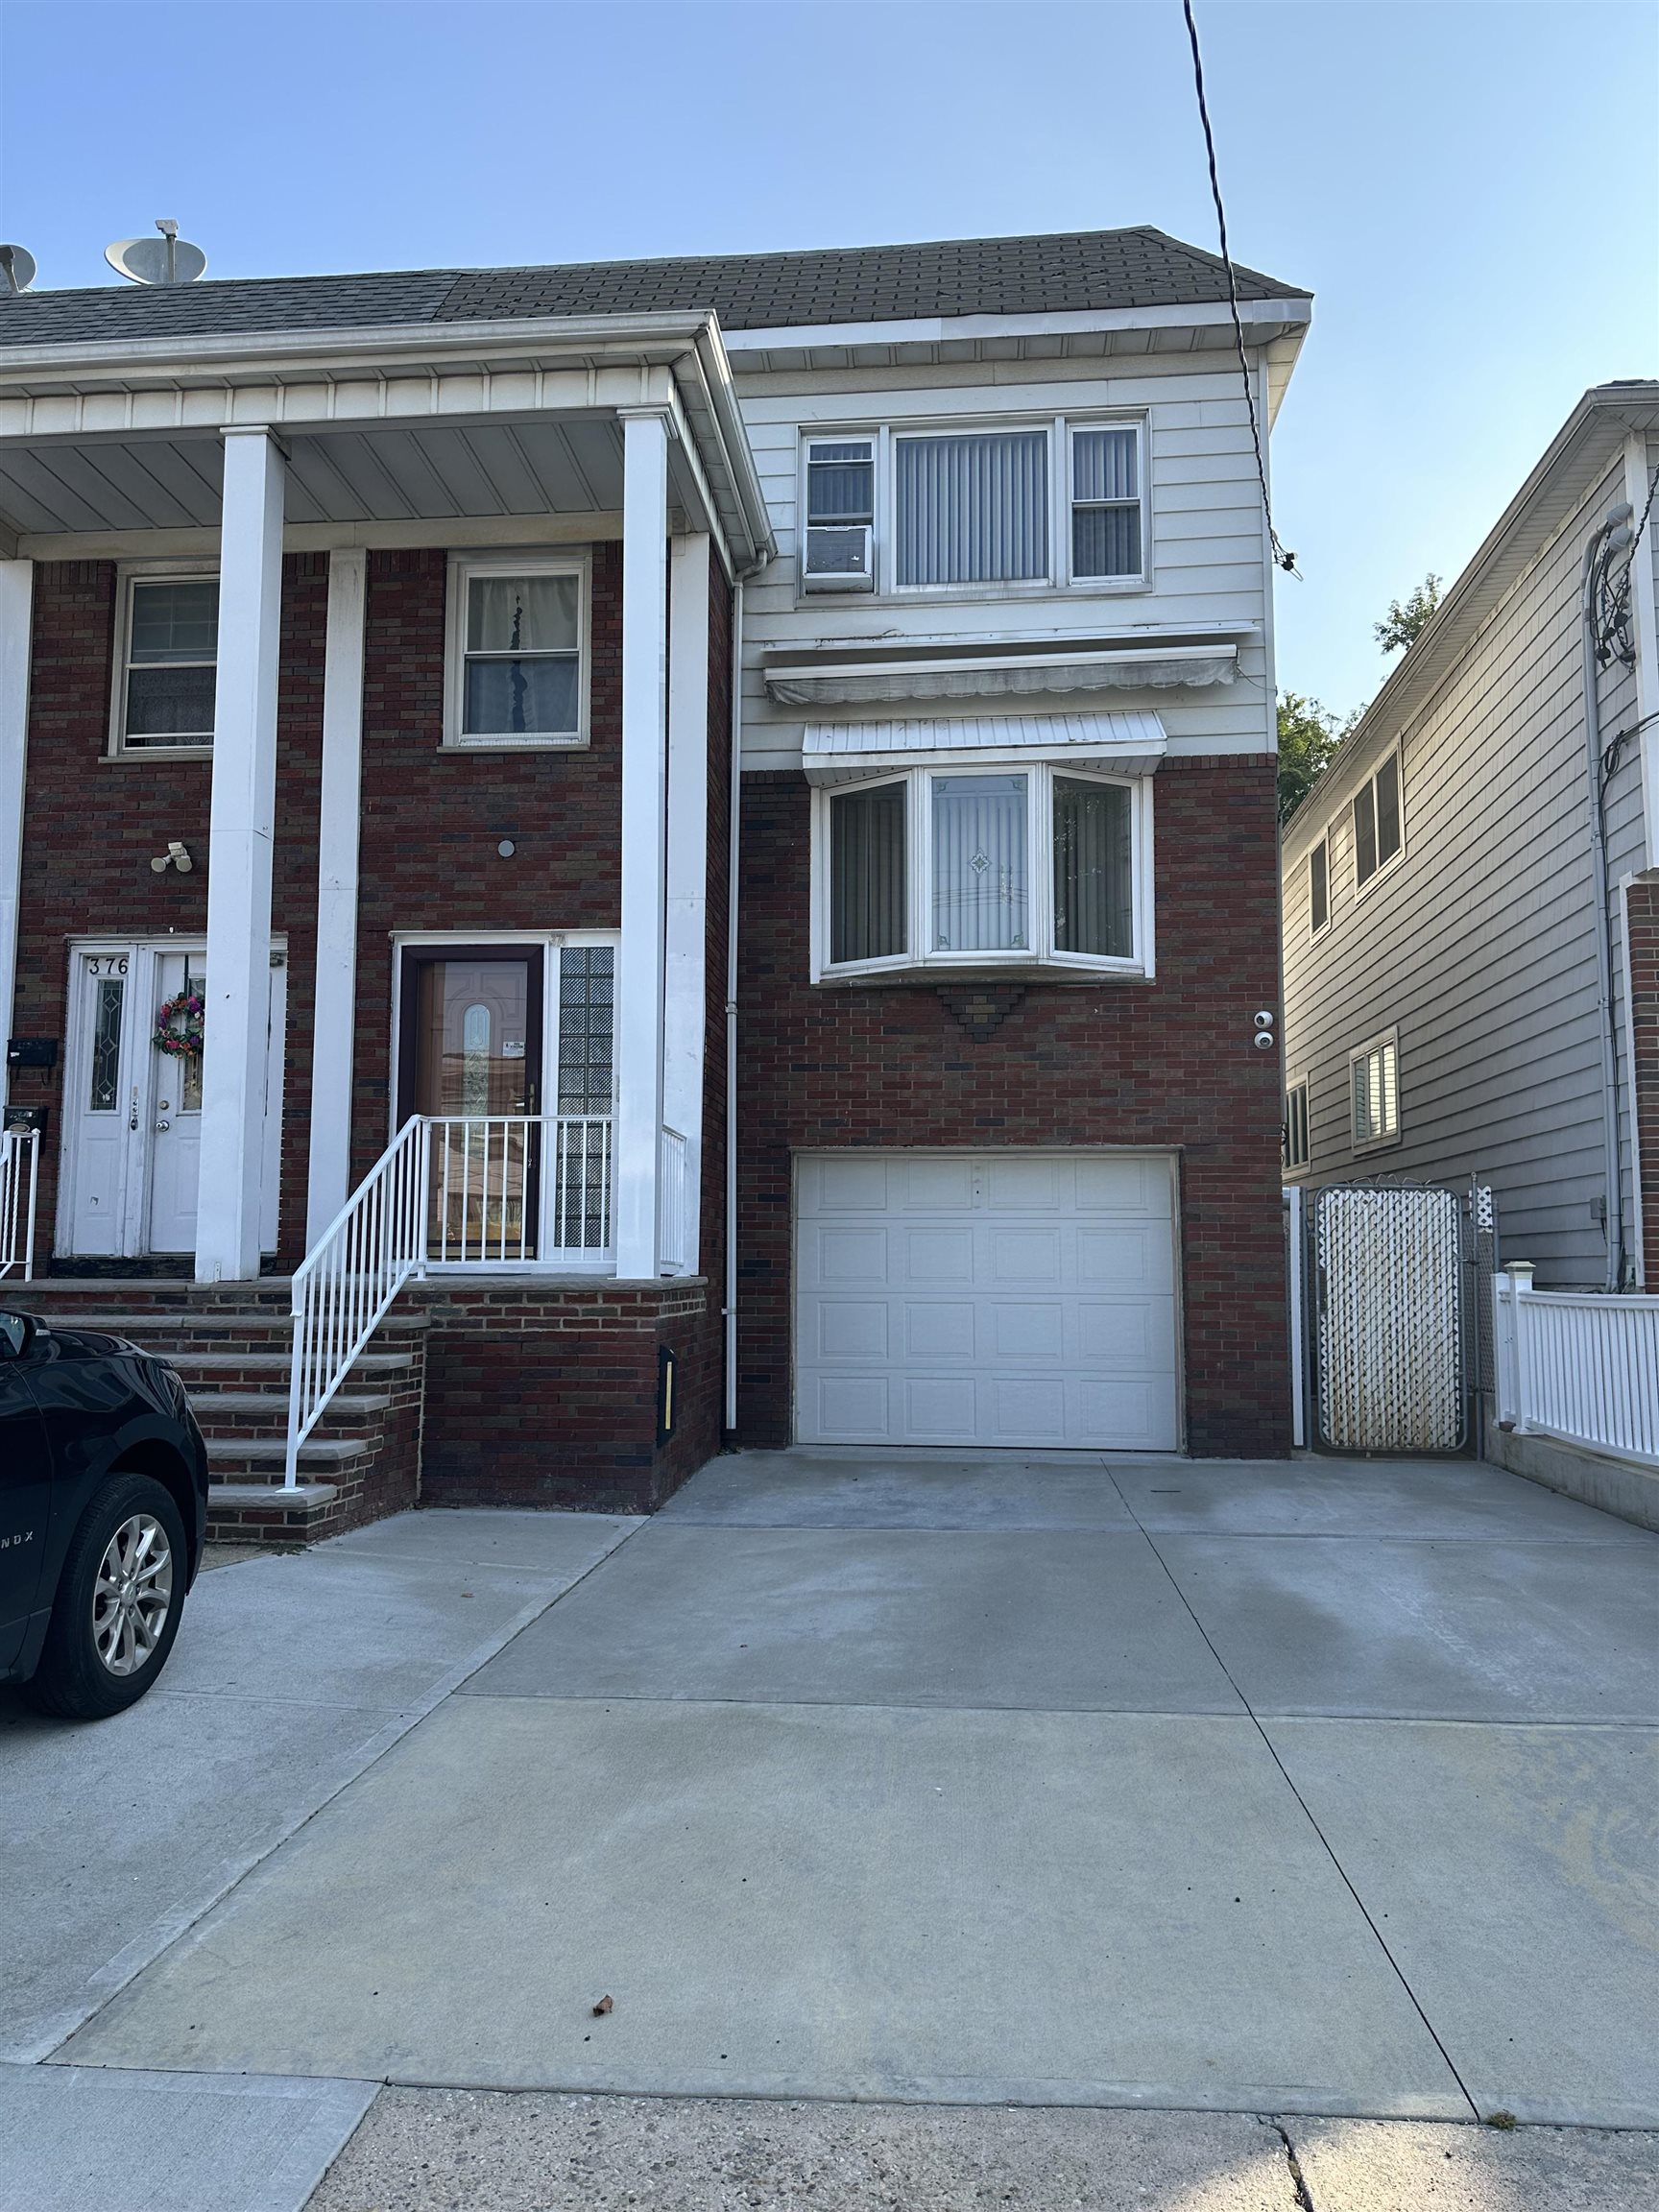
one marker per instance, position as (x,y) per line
(179,1026)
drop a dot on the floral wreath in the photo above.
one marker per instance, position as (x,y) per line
(183,1044)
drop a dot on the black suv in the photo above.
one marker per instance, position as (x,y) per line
(103,1510)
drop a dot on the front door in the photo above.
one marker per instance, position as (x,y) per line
(133,1112)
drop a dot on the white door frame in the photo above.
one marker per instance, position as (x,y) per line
(143,954)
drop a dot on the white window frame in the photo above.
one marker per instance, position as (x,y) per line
(1294,1084)
(1042,953)
(1058,428)
(1317,930)
(463,568)
(127,575)
(1383,868)
(1384,1041)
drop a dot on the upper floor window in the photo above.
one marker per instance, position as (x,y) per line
(998,866)
(1319,888)
(517,674)
(168,663)
(1377,835)
(1374,1078)
(1029,506)
(840,515)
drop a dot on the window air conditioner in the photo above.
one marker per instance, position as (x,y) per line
(840,557)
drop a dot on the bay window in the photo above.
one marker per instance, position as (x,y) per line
(1004,864)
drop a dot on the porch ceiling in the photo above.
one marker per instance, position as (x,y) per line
(567,465)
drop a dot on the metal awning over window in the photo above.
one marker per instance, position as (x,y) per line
(842,751)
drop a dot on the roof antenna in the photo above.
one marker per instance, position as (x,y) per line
(168,259)
(17,266)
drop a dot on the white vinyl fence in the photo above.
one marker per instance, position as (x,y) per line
(1578,1365)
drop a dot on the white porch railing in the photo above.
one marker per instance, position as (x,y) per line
(674,1203)
(1578,1365)
(451,1191)
(19,1181)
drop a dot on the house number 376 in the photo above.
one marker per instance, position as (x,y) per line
(113,964)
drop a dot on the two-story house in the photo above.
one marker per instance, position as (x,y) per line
(709,823)
(1471,887)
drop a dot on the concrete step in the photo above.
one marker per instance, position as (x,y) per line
(239,1413)
(224,1369)
(269,1514)
(264,1458)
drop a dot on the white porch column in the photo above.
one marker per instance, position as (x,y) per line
(639,965)
(687,933)
(239,837)
(16,606)
(335,1018)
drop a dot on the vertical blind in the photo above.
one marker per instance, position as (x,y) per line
(867,874)
(973,509)
(1105,503)
(980,864)
(1094,877)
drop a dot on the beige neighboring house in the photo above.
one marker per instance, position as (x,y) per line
(1471,930)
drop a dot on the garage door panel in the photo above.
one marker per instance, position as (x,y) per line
(934,1331)
(854,1409)
(938,1255)
(941,1186)
(1029,1330)
(1013,1300)
(854,1183)
(940,1410)
(853,1329)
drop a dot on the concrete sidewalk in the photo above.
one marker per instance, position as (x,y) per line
(1296,1790)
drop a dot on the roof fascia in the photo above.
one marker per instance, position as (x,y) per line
(935,329)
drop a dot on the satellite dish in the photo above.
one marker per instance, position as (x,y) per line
(167,259)
(16,268)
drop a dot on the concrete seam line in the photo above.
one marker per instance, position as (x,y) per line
(1307,1809)
(132,1959)
(1298,2180)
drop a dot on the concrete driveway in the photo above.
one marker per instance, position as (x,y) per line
(1319,1789)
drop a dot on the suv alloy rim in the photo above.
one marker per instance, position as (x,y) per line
(132,1594)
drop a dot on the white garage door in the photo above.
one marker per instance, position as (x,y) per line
(1018,1298)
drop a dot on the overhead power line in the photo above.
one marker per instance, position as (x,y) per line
(1285,561)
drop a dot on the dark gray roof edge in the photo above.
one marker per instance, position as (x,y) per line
(357,298)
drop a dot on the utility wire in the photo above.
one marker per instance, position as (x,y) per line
(1285,561)
(1647,510)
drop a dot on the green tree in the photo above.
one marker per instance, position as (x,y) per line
(1309,734)
(1406,621)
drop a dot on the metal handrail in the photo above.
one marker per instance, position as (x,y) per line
(451,1191)
(17,1211)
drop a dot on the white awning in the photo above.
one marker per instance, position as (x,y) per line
(841,752)
(1156,667)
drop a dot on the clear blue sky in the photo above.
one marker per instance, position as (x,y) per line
(1469,189)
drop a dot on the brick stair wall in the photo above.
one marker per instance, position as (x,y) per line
(230,1346)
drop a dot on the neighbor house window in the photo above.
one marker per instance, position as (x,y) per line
(1374,1073)
(1296,1143)
(1106,502)
(1319,888)
(169,663)
(1377,821)
(516,653)
(840,515)
(996,865)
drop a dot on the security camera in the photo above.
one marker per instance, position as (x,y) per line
(1265,1020)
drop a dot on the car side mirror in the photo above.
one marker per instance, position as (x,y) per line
(16,1332)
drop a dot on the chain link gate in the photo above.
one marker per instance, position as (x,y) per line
(1391,1277)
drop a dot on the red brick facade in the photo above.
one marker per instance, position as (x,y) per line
(1642,919)
(1167,1064)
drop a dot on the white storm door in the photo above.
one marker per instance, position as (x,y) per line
(1017,1299)
(104,1103)
(175,1116)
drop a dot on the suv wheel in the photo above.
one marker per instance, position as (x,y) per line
(118,1602)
